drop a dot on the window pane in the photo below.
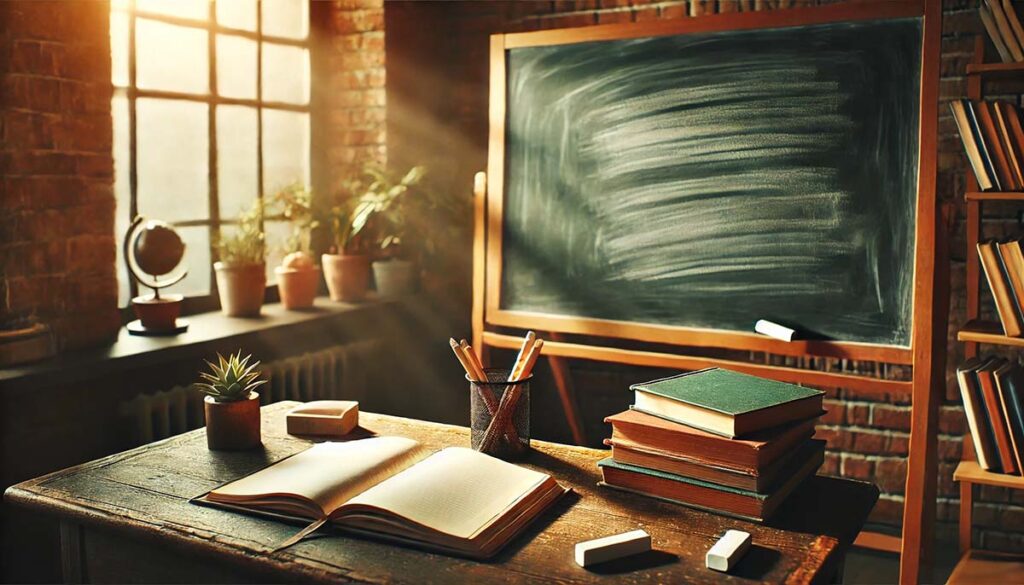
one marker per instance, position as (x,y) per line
(285,149)
(122,189)
(172,58)
(276,233)
(285,74)
(197,258)
(119,48)
(238,175)
(285,18)
(236,67)
(172,155)
(197,9)
(237,14)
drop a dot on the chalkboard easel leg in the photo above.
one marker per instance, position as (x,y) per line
(566,393)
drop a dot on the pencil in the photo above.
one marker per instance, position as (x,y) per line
(531,360)
(474,361)
(524,349)
(463,359)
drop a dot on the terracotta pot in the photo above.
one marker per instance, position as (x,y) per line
(158,314)
(234,425)
(241,288)
(348,277)
(297,286)
(394,277)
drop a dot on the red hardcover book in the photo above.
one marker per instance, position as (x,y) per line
(994,411)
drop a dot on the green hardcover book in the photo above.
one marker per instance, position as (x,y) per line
(726,403)
(709,496)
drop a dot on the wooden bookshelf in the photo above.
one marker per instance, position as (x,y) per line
(978,566)
(971,472)
(990,332)
(995,69)
(995,195)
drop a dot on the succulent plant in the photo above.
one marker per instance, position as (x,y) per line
(231,379)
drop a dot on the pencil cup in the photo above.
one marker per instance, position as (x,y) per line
(500,415)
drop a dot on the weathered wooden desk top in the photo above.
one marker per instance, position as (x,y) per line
(143,494)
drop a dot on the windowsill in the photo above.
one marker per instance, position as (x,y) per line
(204,328)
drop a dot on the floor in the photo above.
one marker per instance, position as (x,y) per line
(869,567)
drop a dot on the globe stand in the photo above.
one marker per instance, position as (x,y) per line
(160,251)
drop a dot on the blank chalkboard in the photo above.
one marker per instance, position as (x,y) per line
(709,180)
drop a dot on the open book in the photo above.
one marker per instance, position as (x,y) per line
(456,500)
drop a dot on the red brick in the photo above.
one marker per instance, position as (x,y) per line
(868,442)
(857,467)
(890,417)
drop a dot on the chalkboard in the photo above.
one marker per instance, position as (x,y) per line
(709,180)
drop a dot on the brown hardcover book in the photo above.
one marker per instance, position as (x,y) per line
(995,145)
(1012,257)
(708,496)
(746,455)
(1012,152)
(963,126)
(1008,379)
(1003,25)
(761,481)
(974,411)
(994,411)
(997,281)
(1011,16)
(1016,129)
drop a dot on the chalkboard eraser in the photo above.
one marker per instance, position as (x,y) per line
(728,550)
(613,547)
(765,327)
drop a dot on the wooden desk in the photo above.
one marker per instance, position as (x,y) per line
(127,518)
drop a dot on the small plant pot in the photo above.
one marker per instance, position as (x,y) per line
(234,425)
(158,314)
(297,286)
(348,277)
(394,277)
(241,288)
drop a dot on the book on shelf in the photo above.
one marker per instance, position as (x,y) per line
(1012,116)
(992,138)
(760,480)
(1010,384)
(1015,24)
(963,126)
(998,281)
(989,23)
(725,402)
(994,412)
(983,147)
(709,496)
(455,501)
(1002,111)
(1003,26)
(745,455)
(974,408)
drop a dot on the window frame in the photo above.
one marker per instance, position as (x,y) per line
(197,303)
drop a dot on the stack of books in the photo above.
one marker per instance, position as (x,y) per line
(1004,28)
(716,440)
(993,140)
(1003,264)
(993,389)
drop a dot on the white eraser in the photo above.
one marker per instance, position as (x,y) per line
(765,327)
(612,547)
(728,550)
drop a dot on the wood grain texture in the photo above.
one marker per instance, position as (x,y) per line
(143,495)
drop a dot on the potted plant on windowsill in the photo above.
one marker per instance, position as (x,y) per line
(346,265)
(297,276)
(231,405)
(241,269)
(392,203)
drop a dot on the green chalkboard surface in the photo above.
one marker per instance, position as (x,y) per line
(710,180)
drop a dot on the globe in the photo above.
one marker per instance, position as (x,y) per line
(158,248)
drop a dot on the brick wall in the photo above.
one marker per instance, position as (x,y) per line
(57,207)
(440,54)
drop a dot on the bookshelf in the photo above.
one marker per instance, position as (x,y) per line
(977,566)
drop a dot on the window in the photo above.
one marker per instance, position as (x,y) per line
(211,111)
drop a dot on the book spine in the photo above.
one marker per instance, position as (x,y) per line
(1012,154)
(992,268)
(994,412)
(979,139)
(1011,16)
(995,144)
(993,33)
(963,127)
(1012,44)
(972,406)
(1011,391)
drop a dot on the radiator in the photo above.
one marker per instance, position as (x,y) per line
(334,373)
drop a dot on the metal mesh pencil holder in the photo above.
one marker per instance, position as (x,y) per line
(500,415)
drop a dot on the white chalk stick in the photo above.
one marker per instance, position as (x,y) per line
(612,547)
(765,327)
(728,550)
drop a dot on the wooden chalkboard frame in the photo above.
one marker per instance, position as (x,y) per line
(926,353)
